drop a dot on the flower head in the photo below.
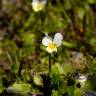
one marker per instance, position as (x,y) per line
(52,44)
(38,5)
(82,80)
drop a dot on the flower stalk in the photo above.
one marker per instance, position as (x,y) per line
(49,63)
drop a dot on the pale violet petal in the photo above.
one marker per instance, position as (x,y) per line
(46,41)
(58,39)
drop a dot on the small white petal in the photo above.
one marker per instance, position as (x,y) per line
(58,36)
(58,39)
(58,43)
(46,41)
(83,78)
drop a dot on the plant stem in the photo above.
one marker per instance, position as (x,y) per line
(21,67)
(49,62)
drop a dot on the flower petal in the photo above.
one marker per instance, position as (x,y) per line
(46,41)
(58,39)
(49,50)
(38,5)
(58,36)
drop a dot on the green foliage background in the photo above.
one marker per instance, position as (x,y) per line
(21,33)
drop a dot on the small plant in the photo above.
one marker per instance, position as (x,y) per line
(69,70)
(52,44)
(55,73)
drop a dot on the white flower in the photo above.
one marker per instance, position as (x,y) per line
(82,80)
(52,44)
(38,5)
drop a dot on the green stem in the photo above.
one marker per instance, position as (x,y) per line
(21,66)
(63,11)
(49,62)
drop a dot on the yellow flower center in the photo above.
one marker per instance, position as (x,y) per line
(52,47)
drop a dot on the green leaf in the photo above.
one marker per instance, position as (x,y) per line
(1,87)
(20,88)
(80,12)
(67,4)
(91,1)
(37,79)
(30,38)
(78,92)
(68,68)
(69,44)
(55,93)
